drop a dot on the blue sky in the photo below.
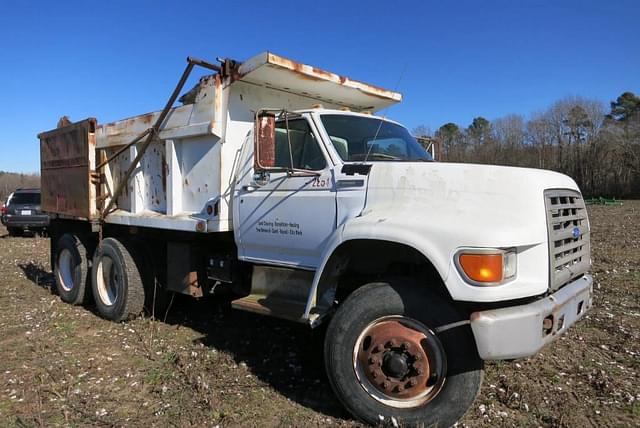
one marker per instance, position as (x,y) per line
(114,59)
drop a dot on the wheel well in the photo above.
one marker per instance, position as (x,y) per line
(358,262)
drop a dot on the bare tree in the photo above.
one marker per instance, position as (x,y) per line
(573,136)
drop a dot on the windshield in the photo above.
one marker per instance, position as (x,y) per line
(357,138)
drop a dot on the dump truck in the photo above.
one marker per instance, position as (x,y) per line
(284,184)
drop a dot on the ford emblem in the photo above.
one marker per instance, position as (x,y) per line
(576,232)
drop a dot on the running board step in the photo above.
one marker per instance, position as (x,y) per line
(275,307)
(278,292)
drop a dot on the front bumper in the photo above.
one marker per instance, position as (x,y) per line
(521,331)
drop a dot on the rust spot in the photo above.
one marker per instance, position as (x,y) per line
(324,73)
(310,77)
(264,143)
(165,170)
(147,118)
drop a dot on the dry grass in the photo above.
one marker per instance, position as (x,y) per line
(209,365)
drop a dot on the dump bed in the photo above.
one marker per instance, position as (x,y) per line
(184,179)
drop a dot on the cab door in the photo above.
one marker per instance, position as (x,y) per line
(287,218)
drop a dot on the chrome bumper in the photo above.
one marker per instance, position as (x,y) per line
(521,331)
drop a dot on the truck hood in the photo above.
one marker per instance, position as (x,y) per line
(487,205)
(440,208)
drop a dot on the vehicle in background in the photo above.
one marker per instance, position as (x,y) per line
(22,212)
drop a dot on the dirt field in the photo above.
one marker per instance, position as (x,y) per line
(208,365)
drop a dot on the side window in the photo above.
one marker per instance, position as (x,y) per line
(305,151)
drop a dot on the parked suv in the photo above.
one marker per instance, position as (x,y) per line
(22,212)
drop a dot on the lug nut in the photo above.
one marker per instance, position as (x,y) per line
(399,388)
(373,360)
(405,346)
(391,344)
(377,348)
(412,382)
(385,385)
(373,374)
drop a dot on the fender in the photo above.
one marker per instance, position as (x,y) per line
(370,228)
(438,241)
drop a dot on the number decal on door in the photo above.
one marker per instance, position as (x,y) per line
(320,182)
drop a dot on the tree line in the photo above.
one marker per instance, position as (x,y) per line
(10,181)
(576,136)
(600,149)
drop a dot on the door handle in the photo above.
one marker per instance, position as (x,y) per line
(248,188)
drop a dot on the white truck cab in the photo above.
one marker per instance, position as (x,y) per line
(277,180)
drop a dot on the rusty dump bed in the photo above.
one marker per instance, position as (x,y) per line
(175,168)
(67,159)
(272,78)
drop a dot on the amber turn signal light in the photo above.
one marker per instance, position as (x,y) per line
(482,267)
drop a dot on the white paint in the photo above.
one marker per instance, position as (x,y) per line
(174,178)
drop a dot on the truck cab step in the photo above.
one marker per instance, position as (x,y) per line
(277,291)
(268,305)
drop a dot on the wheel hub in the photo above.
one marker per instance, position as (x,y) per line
(400,361)
(395,364)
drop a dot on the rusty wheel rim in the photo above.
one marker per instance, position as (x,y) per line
(400,362)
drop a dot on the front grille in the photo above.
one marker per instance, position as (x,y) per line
(568,230)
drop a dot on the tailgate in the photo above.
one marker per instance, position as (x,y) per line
(67,159)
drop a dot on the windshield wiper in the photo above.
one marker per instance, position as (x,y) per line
(363,156)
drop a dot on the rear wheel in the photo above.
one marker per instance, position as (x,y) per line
(156,297)
(71,270)
(117,284)
(389,356)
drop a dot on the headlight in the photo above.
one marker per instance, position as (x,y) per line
(486,266)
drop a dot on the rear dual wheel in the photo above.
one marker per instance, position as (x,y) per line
(120,277)
(389,356)
(71,270)
(117,283)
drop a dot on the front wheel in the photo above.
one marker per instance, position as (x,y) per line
(393,351)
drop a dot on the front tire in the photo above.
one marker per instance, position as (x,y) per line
(387,358)
(71,270)
(117,284)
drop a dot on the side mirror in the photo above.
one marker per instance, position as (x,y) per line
(265,141)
